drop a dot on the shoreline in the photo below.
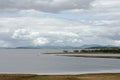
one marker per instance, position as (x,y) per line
(58,74)
(97,76)
(80,53)
(88,56)
(67,73)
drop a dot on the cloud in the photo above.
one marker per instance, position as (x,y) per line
(34,31)
(52,6)
(117,42)
(107,9)
(66,34)
(40,41)
(79,22)
(24,34)
(3,43)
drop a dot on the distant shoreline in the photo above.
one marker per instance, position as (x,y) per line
(85,56)
(78,53)
(73,54)
(89,51)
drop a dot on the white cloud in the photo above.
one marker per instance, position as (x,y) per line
(34,31)
(40,41)
(117,42)
(24,34)
(61,33)
(4,44)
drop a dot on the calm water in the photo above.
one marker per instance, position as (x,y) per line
(33,61)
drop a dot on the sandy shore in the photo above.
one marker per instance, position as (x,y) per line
(88,56)
(79,53)
(101,76)
(71,54)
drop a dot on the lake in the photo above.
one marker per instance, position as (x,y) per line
(32,61)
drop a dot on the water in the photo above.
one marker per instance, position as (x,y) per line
(33,61)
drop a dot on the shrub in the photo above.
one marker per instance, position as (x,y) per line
(76,51)
(65,51)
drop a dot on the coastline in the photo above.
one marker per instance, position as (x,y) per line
(68,73)
(87,55)
(79,53)
(100,76)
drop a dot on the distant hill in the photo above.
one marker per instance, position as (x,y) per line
(96,46)
(103,47)
(49,47)
(92,46)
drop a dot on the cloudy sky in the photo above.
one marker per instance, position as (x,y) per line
(59,22)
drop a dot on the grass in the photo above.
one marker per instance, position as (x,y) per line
(107,76)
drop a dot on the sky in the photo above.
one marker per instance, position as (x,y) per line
(59,22)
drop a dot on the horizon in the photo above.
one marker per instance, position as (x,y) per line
(92,46)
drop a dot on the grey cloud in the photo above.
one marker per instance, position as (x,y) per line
(112,35)
(53,6)
(31,31)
